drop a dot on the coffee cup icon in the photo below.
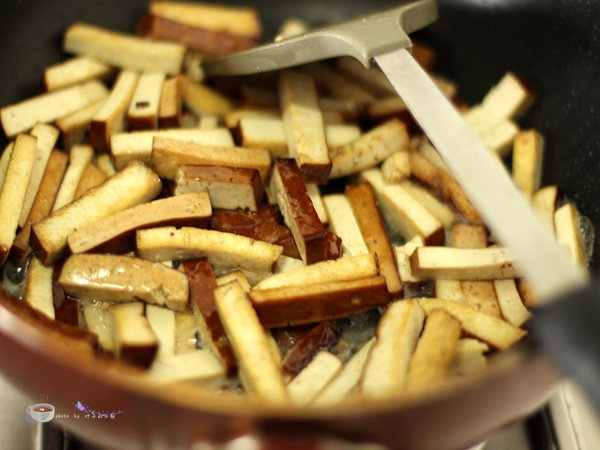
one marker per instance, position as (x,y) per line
(40,412)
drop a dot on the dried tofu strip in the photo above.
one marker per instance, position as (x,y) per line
(442,182)
(307,385)
(259,371)
(168,154)
(98,321)
(369,149)
(162,322)
(48,107)
(298,211)
(346,380)
(297,305)
(344,268)
(223,249)
(439,209)
(242,21)
(182,210)
(449,290)
(568,233)
(510,303)
(137,145)
(527,157)
(73,71)
(47,136)
(124,279)
(402,254)
(202,99)
(193,366)
(469,357)
(478,294)
(110,119)
(403,211)
(366,212)
(42,205)
(14,189)
(304,127)
(124,51)
(104,162)
(388,361)
(38,288)
(496,332)
(79,157)
(170,105)
(4,159)
(312,189)
(143,109)
(133,185)
(91,177)
(135,342)
(343,223)
(434,351)
(232,118)
(396,167)
(462,263)
(545,201)
(74,126)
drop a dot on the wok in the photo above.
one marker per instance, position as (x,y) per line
(554,43)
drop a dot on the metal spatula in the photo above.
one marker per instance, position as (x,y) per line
(382,38)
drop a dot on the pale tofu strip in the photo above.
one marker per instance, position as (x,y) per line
(312,189)
(133,185)
(259,371)
(469,357)
(38,288)
(434,351)
(48,107)
(74,126)
(387,364)
(307,385)
(221,248)
(135,342)
(346,380)
(396,167)
(79,157)
(343,223)
(110,119)
(143,109)
(124,51)
(403,211)
(370,149)
(4,159)
(47,136)
(496,332)
(479,294)
(119,278)
(14,188)
(304,125)
(439,209)
(544,202)
(192,366)
(402,254)
(137,145)
(510,303)
(568,234)
(203,100)
(449,290)
(341,269)
(162,322)
(462,263)
(105,164)
(527,158)
(75,70)
(98,320)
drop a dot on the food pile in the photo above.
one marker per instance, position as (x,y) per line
(292,235)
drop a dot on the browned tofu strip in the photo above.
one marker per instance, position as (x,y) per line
(316,302)
(169,110)
(366,212)
(90,177)
(42,205)
(135,342)
(259,371)
(304,127)
(14,189)
(115,232)
(527,158)
(169,154)
(117,278)
(199,39)
(434,351)
(202,284)
(477,294)
(143,109)
(228,187)
(133,185)
(298,211)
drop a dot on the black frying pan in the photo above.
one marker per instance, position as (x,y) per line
(554,44)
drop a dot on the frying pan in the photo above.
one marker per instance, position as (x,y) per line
(554,44)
